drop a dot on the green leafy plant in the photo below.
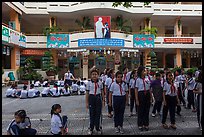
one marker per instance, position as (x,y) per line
(120,24)
(152,60)
(84,24)
(126,4)
(47,30)
(152,30)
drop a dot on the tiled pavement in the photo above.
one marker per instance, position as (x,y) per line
(38,110)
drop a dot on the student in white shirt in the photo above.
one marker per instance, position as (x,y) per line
(65,91)
(46,90)
(45,81)
(24,92)
(108,83)
(143,96)
(58,123)
(37,83)
(11,92)
(67,78)
(94,98)
(75,87)
(21,125)
(170,100)
(54,91)
(32,92)
(82,88)
(119,95)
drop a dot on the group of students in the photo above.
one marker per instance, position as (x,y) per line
(163,89)
(59,89)
(21,124)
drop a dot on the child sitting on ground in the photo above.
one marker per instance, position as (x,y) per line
(32,92)
(24,92)
(82,88)
(21,125)
(45,81)
(75,87)
(54,91)
(13,91)
(46,91)
(65,90)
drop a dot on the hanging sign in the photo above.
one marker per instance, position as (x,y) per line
(58,41)
(5,34)
(143,41)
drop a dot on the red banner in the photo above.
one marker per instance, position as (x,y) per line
(33,52)
(178,40)
(102,26)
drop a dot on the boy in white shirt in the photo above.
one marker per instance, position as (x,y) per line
(54,91)
(46,91)
(75,88)
(24,92)
(32,92)
(82,88)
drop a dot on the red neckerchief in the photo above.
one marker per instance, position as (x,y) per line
(172,88)
(120,88)
(124,77)
(144,86)
(96,86)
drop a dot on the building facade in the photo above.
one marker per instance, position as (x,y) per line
(178,41)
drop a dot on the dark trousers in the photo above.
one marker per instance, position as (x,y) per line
(171,107)
(64,121)
(180,96)
(95,106)
(157,107)
(143,108)
(199,118)
(110,108)
(119,109)
(190,99)
(28,131)
(132,100)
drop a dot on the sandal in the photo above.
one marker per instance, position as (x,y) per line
(165,126)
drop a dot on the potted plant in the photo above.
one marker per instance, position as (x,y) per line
(84,24)
(48,64)
(152,30)
(47,30)
(120,24)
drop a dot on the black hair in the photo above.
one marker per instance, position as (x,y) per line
(161,72)
(54,108)
(168,72)
(157,74)
(24,87)
(200,68)
(46,84)
(179,71)
(190,73)
(200,77)
(132,74)
(94,70)
(32,86)
(110,72)
(166,68)
(118,73)
(13,86)
(139,71)
(124,68)
(20,113)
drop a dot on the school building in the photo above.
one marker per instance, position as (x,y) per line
(75,46)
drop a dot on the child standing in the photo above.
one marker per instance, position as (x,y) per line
(143,98)
(21,125)
(58,123)
(94,98)
(119,93)
(133,78)
(170,99)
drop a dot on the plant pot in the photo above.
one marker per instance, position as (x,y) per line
(50,73)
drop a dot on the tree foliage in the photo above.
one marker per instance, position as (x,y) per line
(120,24)
(84,24)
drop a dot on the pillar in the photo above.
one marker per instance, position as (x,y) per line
(164,59)
(55,56)
(178,30)
(188,60)
(147,24)
(14,57)
(53,21)
(14,17)
(146,52)
(178,57)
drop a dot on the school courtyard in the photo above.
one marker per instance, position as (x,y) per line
(38,109)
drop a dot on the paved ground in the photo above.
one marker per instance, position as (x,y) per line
(78,120)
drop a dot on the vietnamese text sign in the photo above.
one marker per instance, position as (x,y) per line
(178,40)
(5,34)
(58,41)
(143,41)
(33,52)
(14,37)
(102,26)
(101,42)
(22,41)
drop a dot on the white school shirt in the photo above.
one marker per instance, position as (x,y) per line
(90,88)
(150,77)
(10,92)
(162,81)
(31,93)
(37,84)
(132,83)
(75,87)
(56,124)
(128,77)
(66,92)
(167,89)
(139,84)
(54,92)
(45,83)
(104,78)
(24,94)
(45,90)
(61,82)
(68,75)
(191,84)
(82,88)
(21,125)
(116,91)
(108,82)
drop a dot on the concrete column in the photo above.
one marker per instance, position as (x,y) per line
(178,30)
(55,22)
(147,24)
(55,56)
(13,57)
(178,57)
(146,52)
(188,60)
(14,17)
(164,59)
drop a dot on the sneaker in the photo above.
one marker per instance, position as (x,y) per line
(90,132)
(153,115)
(140,128)
(99,132)
(165,126)
(173,126)
(117,130)
(121,130)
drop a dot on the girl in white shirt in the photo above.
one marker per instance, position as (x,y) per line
(58,123)
(32,92)
(24,92)
(11,92)
(54,91)
(46,91)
